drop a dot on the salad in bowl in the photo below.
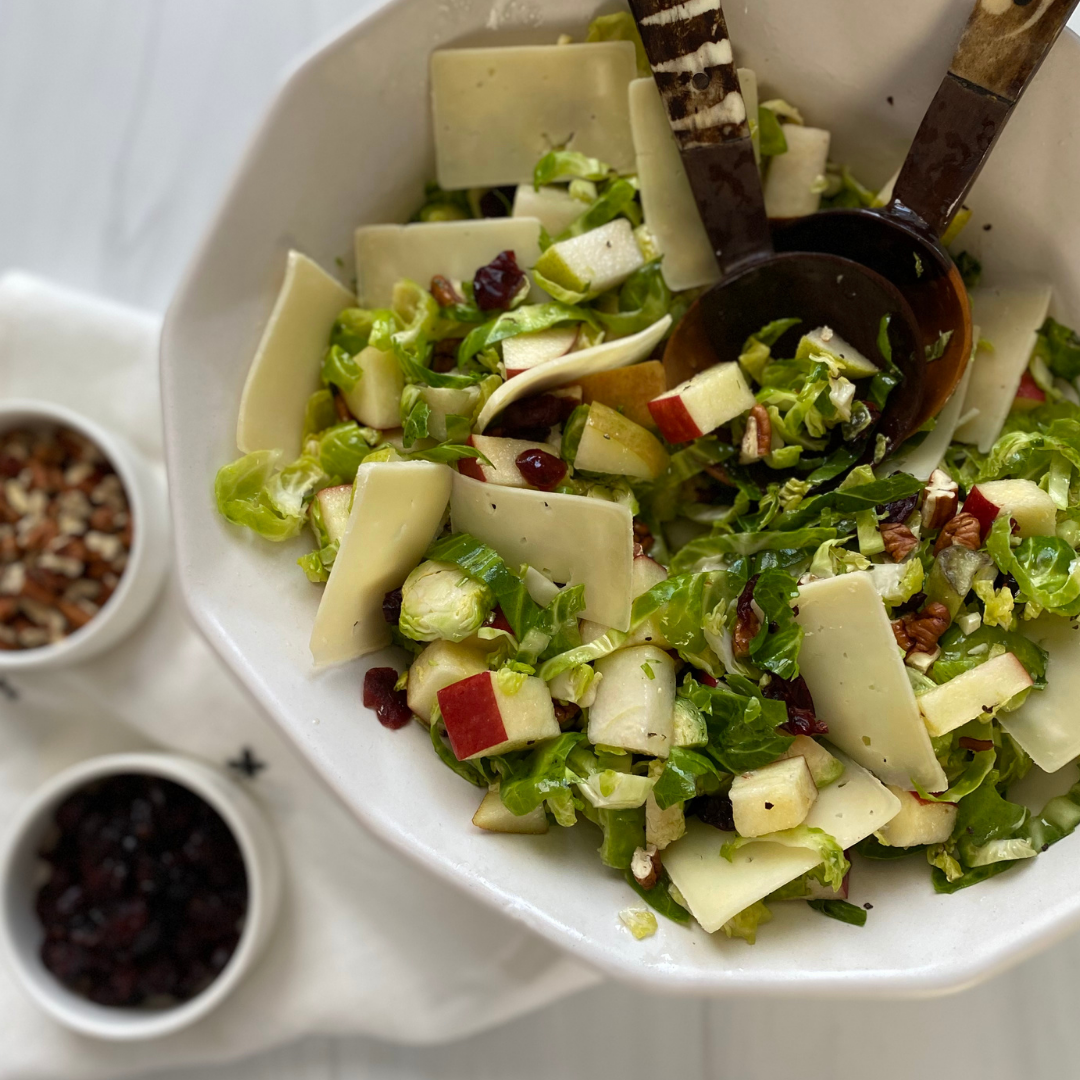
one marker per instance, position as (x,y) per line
(721,621)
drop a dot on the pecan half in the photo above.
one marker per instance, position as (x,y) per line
(444,292)
(645,865)
(964,529)
(920,632)
(747,624)
(899,540)
(941,497)
(643,537)
(757,439)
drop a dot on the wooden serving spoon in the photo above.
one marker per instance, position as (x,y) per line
(1002,47)
(690,54)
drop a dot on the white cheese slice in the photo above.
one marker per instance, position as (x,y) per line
(1008,319)
(1047,725)
(716,890)
(285,370)
(576,365)
(548,532)
(923,459)
(792,184)
(856,677)
(396,511)
(386,254)
(497,111)
(553,206)
(666,199)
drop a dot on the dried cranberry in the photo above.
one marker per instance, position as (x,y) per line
(496,285)
(390,705)
(498,620)
(974,744)
(896,513)
(914,604)
(541,469)
(714,810)
(391,607)
(706,679)
(795,694)
(532,418)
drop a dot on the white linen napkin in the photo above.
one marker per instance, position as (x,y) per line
(367,943)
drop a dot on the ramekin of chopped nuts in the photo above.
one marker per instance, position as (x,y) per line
(83,536)
(92,954)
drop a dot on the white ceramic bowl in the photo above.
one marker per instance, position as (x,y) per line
(148,559)
(348,141)
(20,930)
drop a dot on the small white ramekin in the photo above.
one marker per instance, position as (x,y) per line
(148,559)
(21,933)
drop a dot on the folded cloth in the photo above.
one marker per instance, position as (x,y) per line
(367,943)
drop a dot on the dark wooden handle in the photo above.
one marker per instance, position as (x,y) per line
(690,53)
(1003,45)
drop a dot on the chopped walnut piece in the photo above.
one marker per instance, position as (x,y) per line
(964,529)
(643,537)
(920,632)
(757,440)
(646,866)
(747,623)
(899,541)
(941,497)
(444,292)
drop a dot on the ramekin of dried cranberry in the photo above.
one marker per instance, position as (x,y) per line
(83,536)
(137,891)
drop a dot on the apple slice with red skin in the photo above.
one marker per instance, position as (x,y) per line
(1029,395)
(483,719)
(503,455)
(1022,500)
(701,404)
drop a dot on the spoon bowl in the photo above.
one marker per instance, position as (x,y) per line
(914,262)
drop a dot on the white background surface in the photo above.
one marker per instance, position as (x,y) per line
(120,121)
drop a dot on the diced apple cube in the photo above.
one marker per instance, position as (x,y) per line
(918,822)
(503,455)
(772,798)
(610,443)
(335,504)
(595,261)
(1022,500)
(662,827)
(482,718)
(824,768)
(441,664)
(493,816)
(973,693)
(825,341)
(701,404)
(376,399)
(444,401)
(634,702)
(531,350)
(627,389)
